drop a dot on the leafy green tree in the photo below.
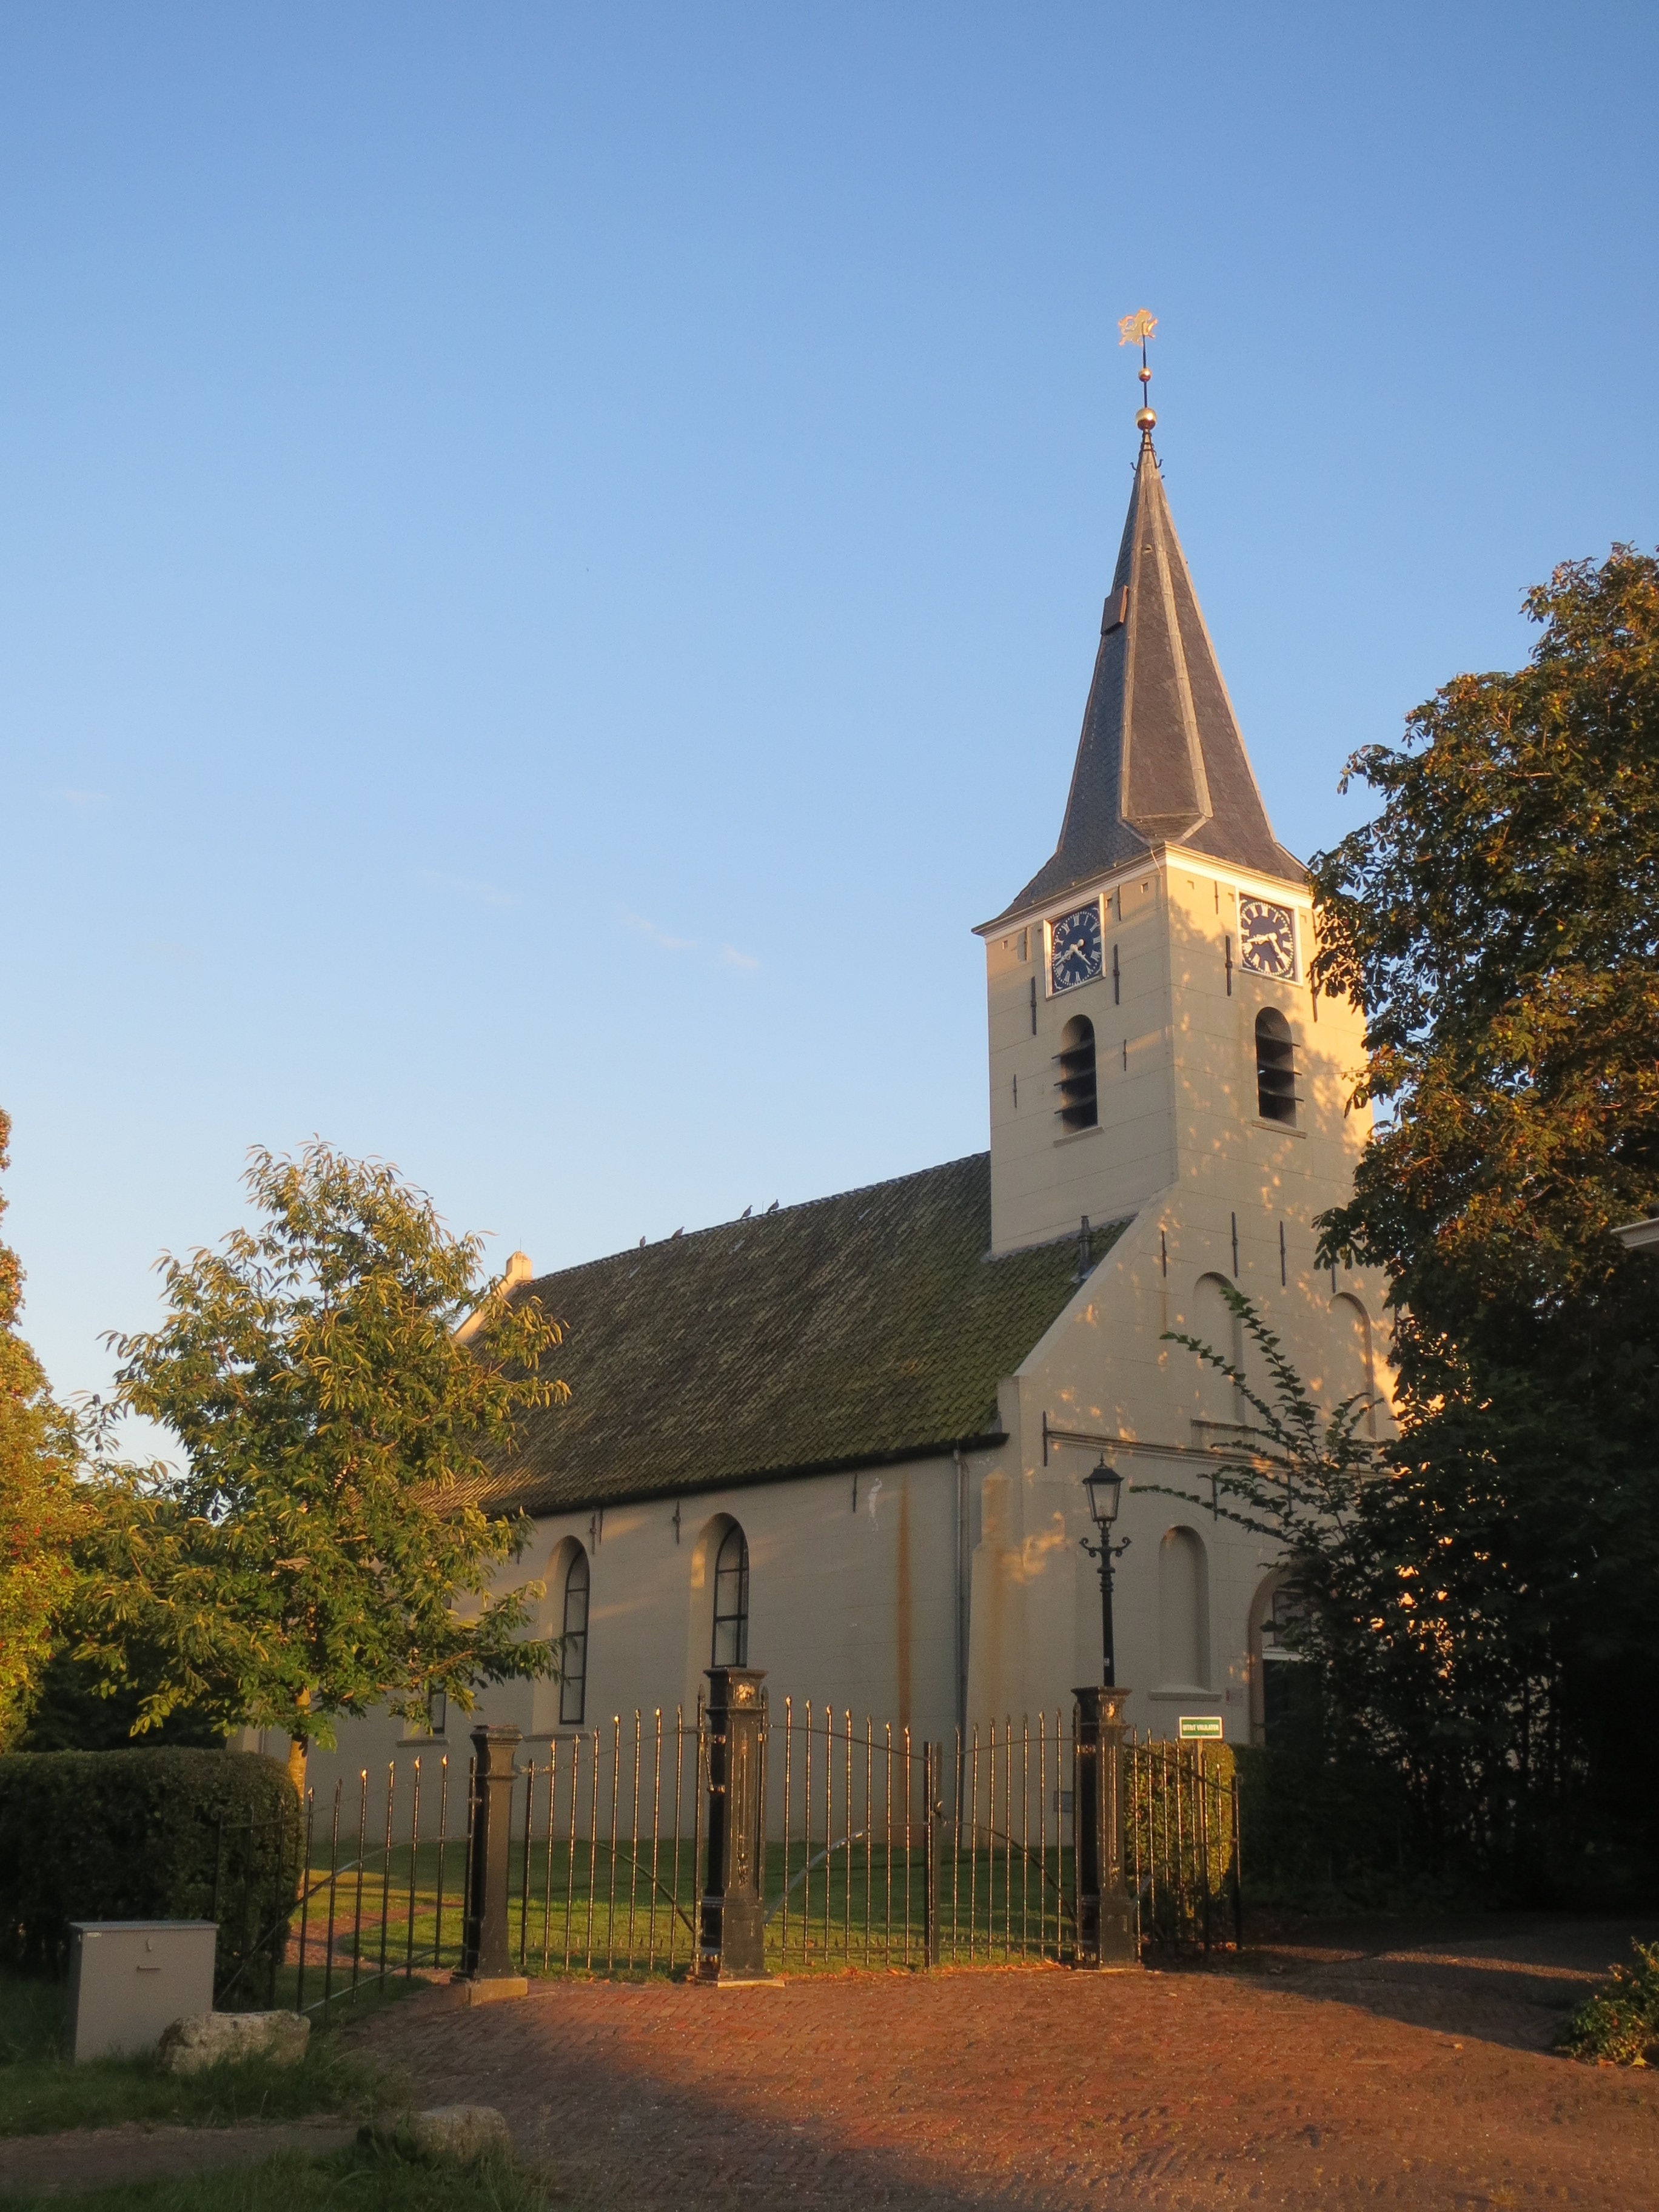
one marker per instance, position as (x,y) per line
(344,1385)
(1499,922)
(1437,1607)
(41,1507)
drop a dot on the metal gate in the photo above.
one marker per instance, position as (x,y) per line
(607,1851)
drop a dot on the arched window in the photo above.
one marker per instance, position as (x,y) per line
(1275,1068)
(1214,1323)
(732,1600)
(1183,1641)
(1286,1699)
(1352,1376)
(572,1686)
(1079,1106)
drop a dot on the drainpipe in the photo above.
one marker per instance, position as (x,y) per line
(964,1588)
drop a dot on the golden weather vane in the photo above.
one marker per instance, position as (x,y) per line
(1135,330)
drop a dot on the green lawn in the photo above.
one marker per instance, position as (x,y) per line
(369,2178)
(42,2090)
(593,1908)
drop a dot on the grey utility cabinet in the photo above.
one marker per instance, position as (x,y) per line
(130,1979)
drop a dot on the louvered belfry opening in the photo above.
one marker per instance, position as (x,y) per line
(1079,1106)
(1275,1068)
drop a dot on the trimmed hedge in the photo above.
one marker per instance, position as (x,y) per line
(1328,1835)
(1163,1832)
(144,1835)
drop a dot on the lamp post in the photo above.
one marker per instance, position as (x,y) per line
(1104,1486)
(1106,1917)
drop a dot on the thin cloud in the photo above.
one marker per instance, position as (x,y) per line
(486,894)
(658,936)
(84,797)
(731,957)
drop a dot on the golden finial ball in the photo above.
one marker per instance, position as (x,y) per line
(1144,375)
(1145,420)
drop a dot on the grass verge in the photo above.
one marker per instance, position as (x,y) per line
(371,2178)
(43,2091)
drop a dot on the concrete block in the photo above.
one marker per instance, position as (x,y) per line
(492,1988)
(454,2134)
(129,1978)
(204,2039)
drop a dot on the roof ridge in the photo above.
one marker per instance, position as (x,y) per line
(689,1237)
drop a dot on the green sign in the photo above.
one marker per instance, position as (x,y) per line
(1202,1726)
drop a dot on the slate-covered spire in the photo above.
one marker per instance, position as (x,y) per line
(1160,760)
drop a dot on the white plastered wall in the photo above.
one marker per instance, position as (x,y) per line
(853,1603)
(1105,1368)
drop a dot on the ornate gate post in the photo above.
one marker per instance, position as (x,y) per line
(486,1955)
(1108,1917)
(730,1923)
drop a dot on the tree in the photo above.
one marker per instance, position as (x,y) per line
(324,1549)
(1437,1612)
(1499,922)
(40,1504)
(1304,1479)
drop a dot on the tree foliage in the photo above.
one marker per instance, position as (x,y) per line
(1448,1626)
(344,1385)
(40,1504)
(1483,1604)
(1499,922)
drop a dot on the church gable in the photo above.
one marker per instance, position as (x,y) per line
(865,1327)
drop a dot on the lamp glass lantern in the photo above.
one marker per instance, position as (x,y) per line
(1105,1488)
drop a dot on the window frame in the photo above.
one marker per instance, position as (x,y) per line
(736,1620)
(1079,1063)
(1277,1108)
(578,1635)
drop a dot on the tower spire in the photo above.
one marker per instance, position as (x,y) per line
(1161,760)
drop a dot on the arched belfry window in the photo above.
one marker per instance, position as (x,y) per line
(573,1683)
(1275,1068)
(732,1600)
(1079,1106)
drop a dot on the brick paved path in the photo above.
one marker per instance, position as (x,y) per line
(1331,2073)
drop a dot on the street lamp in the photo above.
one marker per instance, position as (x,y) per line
(1104,1486)
(1106,1917)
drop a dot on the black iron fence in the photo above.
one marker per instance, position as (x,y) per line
(875,1850)
(259,1873)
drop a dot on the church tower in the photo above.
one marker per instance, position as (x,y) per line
(1151,1026)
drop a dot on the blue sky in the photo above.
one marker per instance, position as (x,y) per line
(550,558)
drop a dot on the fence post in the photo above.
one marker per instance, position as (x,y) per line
(1106,1916)
(933,1774)
(730,1922)
(486,1958)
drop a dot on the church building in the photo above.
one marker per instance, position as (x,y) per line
(845,1442)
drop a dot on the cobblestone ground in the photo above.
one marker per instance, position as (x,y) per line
(1343,2068)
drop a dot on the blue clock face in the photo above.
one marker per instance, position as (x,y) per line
(1076,951)
(1267,938)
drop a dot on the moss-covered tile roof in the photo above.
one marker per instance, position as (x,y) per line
(869,1326)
